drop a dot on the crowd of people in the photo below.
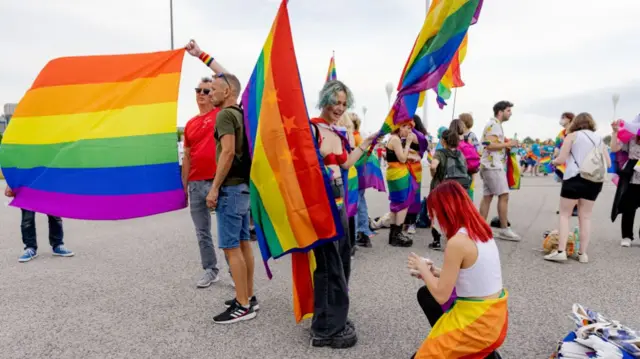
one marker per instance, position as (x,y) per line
(215,173)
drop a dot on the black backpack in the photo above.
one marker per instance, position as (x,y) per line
(455,168)
(241,166)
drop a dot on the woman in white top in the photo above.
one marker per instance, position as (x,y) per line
(472,267)
(580,141)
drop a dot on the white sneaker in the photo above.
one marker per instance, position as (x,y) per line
(582,258)
(208,278)
(626,242)
(411,229)
(556,256)
(507,234)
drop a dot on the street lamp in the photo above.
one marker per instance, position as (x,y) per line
(615,98)
(389,89)
(364,113)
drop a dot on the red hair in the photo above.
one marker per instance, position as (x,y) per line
(450,205)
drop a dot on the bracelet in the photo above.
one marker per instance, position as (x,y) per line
(206,58)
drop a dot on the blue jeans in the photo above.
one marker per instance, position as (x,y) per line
(363,216)
(232,214)
(28,228)
(201,217)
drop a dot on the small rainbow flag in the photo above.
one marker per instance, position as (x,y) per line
(513,170)
(443,31)
(95,138)
(370,173)
(291,202)
(331,73)
(545,165)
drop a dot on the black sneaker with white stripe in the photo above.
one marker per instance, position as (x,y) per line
(253,301)
(235,313)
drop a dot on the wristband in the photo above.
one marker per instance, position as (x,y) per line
(206,58)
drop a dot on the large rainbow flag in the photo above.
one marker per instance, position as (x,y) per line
(291,204)
(452,78)
(95,138)
(331,73)
(443,31)
(513,170)
(470,329)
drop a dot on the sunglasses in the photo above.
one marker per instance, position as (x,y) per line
(222,76)
(204,91)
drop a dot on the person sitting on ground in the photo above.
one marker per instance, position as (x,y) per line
(471,267)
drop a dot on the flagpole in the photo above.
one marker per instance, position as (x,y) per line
(455,96)
(171,21)
(425,117)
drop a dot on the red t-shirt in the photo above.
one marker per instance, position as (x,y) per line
(198,137)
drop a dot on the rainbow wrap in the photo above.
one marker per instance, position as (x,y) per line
(402,186)
(513,170)
(471,329)
(95,138)
(415,169)
(291,201)
(442,33)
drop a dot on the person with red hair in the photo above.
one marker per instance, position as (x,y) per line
(472,267)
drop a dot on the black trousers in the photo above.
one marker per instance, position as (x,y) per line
(630,204)
(411,218)
(433,310)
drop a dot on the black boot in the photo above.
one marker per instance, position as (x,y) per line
(405,241)
(363,240)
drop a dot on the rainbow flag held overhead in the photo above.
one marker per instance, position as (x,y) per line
(513,170)
(452,78)
(331,73)
(442,34)
(291,203)
(95,138)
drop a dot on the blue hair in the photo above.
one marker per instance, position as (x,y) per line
(329,92)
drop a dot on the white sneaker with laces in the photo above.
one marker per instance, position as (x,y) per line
(626,242)
(507,234)
(583,258)
(556,256)
(411,229)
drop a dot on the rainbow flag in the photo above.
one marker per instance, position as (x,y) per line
(545,165)
(353,187)
(370,173)
(95,138)
(331,73)
(452,78)
(470,329)
(292,205)
(513,170)
(443,31)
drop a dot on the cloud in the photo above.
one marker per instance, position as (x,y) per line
(543,55)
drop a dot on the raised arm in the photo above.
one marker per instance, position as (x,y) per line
(194,50)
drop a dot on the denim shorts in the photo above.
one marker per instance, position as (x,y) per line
(232,215)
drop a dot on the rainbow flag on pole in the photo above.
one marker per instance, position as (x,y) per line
(291,202)
(442,34)
(95,138)
(331,73)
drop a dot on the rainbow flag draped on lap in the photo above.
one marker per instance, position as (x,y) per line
(95,138)
(442,34)
(291,202)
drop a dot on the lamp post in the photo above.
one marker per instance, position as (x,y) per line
(171,21)
(615,98)
(389,88)
(364,113)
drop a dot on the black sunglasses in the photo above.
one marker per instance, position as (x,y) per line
(204,91)
(222,76)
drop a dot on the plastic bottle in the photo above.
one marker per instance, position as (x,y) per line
(576,234)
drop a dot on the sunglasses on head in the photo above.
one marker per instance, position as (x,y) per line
(204,91)
(222,76)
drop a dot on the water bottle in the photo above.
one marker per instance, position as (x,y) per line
(576,235)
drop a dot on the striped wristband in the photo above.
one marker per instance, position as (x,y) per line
(206,58)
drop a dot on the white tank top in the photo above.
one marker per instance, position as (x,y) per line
(581,147)
(484,277)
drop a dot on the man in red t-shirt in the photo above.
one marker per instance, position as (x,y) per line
(198,169)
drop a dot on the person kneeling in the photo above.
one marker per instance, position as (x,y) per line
(472,267)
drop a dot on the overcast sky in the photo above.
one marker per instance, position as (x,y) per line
(546,56)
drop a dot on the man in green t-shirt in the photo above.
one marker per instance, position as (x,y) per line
(229,195)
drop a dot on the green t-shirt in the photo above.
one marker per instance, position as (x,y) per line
(230,122)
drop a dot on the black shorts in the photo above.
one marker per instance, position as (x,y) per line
(580,188)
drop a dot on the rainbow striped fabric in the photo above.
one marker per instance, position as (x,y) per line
(331,73)
(95,138)
(291,203)
(471,329)
(353,187)
(370,173)
(443,31)
(402,186)
(545,165)
(513,170)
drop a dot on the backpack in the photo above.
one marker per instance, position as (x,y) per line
(470,154)
(593,168)
(455,168)
(241,166)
